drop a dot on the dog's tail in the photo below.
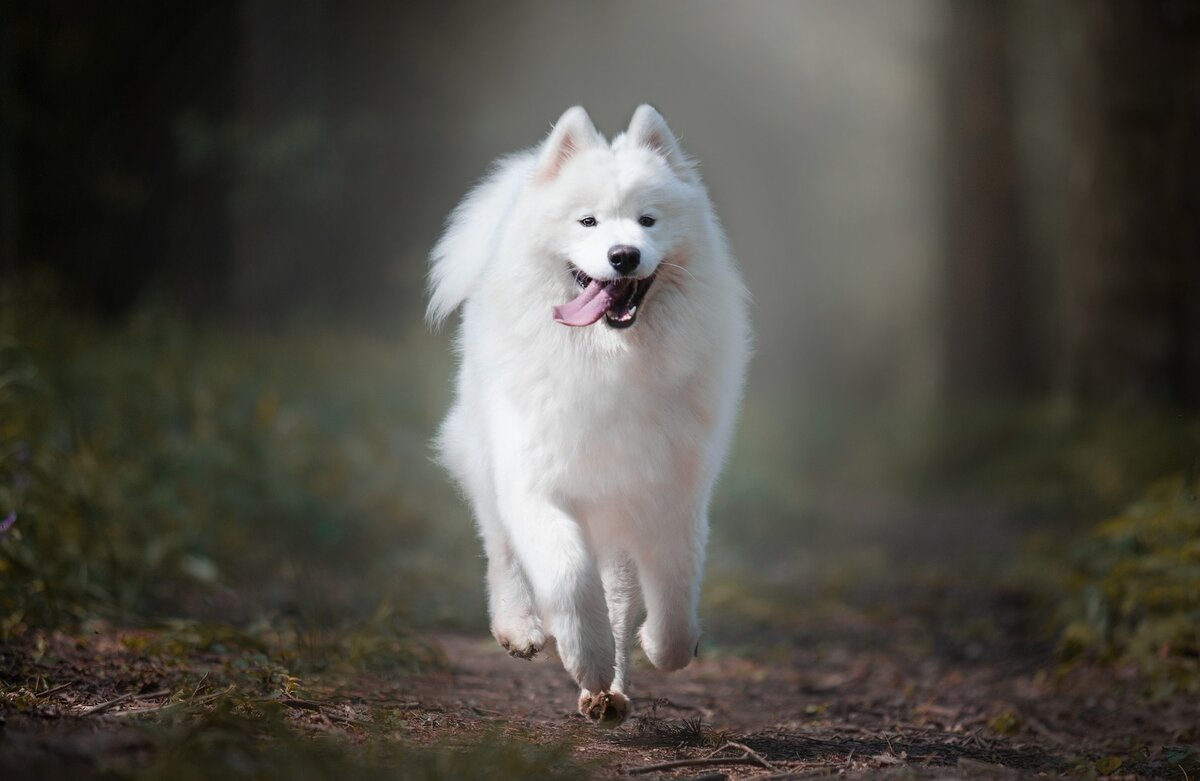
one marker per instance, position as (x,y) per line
(472,234)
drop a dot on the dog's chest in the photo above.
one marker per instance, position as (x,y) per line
(616,428)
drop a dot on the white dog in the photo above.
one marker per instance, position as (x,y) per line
(589,450)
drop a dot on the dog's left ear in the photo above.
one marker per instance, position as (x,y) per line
(649,129)
(572,133)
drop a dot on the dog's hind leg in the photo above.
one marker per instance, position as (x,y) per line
(670,579)
(624,599)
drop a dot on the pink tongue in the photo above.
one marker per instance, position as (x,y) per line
(587,307)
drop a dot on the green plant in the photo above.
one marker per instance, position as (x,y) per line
(1137,589)
(160,468)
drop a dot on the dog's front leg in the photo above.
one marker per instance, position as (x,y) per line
(566,583)
(514,616)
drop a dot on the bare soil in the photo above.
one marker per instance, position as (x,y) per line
(830,711)
(855,706)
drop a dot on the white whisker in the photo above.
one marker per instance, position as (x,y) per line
(681,268)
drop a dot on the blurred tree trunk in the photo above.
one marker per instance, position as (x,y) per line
(283,247)
(1130,278)
(9,193)
(986,301)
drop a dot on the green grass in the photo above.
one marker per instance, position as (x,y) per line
(160,469)
(255,744)
(1070,461)
(1136,589)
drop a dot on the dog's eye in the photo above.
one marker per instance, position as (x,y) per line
(588,222)
(646,221)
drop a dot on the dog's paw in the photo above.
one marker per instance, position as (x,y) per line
(604,709)
(667,650)
(522,640)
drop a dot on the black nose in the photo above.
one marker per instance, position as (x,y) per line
(624,258)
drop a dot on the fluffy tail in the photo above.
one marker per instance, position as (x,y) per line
(472,234)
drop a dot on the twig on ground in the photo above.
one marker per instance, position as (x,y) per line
(199,683)
(169,705)
(95,709)
(56,689)
(751,753)
(106,705)
(703,762)
(319,707)
(939,710)
(749,757)
(485,712)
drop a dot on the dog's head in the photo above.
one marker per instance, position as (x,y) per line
(612,216)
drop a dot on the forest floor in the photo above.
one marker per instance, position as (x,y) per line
(859,700)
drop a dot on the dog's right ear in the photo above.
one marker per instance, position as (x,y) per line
(572,133)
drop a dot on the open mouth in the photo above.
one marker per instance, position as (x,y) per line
(616,300)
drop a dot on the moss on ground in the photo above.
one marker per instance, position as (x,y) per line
(1136,589)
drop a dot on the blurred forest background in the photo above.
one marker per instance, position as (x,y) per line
(971,231)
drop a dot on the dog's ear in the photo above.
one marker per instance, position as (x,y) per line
(649,129)
(572,133)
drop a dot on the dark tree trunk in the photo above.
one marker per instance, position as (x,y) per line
(986,310)
(284,248)
(9,192)
(1130,281)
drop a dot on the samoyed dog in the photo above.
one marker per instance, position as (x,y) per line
(603,345)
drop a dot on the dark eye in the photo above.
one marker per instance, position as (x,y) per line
(588,222)
(646,221)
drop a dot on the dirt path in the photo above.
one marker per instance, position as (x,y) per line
(823,712)
(857,705)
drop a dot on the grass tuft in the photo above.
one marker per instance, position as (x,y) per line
(1136,589)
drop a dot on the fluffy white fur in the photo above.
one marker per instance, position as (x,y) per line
(589,454)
